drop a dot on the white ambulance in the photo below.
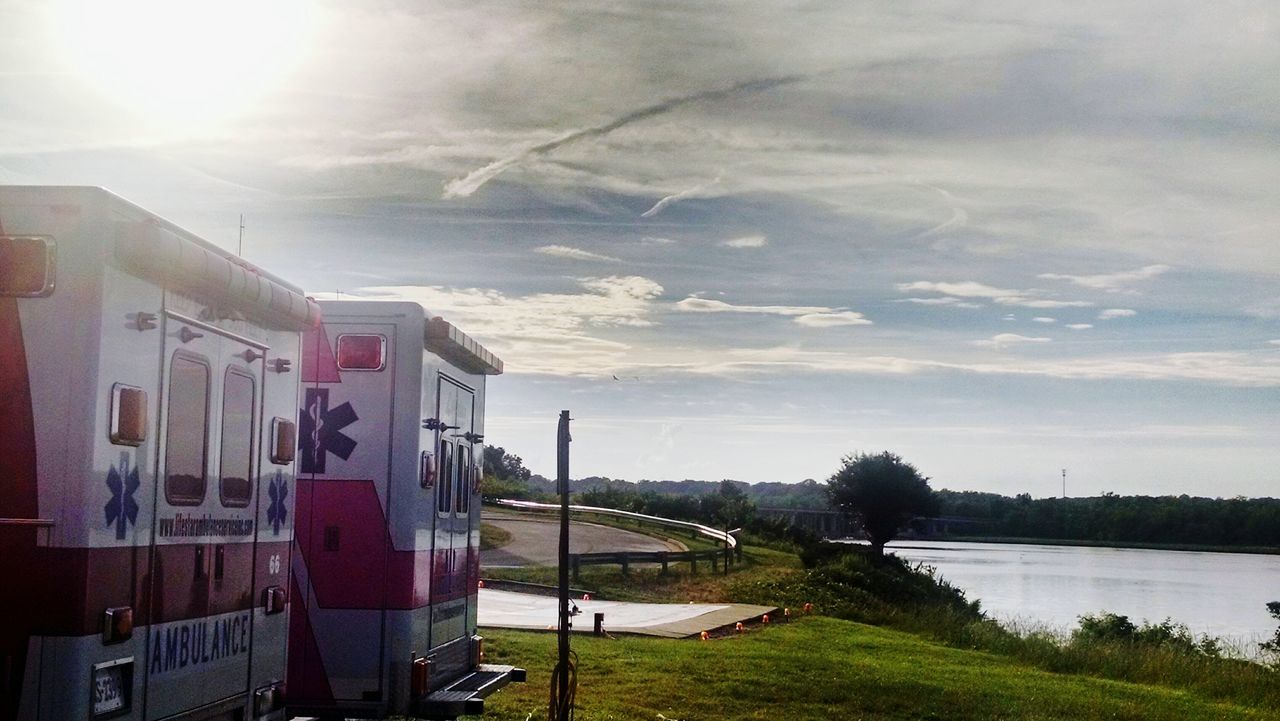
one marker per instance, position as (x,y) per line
(149,384)
(386,562)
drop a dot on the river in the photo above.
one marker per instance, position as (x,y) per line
(1034,586)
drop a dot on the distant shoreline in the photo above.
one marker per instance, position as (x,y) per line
(1136,545)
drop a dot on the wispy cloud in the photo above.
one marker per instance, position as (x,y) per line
(1228,369)
(473,181)
(1002,296)
(1044,319)
(1112,282)
(944,300)
(1079,326)
(564,251)
(1113,313)
(665,201)
(812,316)
(747,241)
(1003,340)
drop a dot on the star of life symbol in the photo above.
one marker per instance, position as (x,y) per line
(122,510)
(320,431)
(276,512)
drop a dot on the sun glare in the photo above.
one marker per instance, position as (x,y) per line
(180,63)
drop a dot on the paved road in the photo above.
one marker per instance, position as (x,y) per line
(535,540)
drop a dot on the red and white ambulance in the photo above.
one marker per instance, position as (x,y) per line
(386,563)
(148,395)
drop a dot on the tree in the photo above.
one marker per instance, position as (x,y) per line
(504,466)
(881,493)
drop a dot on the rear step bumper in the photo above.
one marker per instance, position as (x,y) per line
(466,695)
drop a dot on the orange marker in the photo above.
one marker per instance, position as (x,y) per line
(786,613)
(808,608)
(704,635)
(764,618)
(586,597)
(740,628)
(480,584)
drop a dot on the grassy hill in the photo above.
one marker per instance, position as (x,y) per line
(823,668)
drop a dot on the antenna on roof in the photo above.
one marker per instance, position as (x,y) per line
(240,244)
(1064,483)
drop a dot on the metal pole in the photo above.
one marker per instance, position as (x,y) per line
(562,481)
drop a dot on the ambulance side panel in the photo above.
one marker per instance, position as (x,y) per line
(340,561)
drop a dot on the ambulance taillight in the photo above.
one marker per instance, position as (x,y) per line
(362,352)
(268,699)
(420,678)
(128,415)
(117,624)
(284,441)
(26,265)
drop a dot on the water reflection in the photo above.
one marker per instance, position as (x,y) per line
(1221,594)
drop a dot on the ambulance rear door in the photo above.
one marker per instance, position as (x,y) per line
(201,574)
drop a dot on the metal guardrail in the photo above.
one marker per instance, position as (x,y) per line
(664,558)
(713,533)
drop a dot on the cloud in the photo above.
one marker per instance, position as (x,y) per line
(1043,319)
(1003,340)
(1002,296)
(944,300)
(1112,313)
(1227,369)
(651,240)
(1274,342)
(473,181)
(1079,326)
(812,316)
(659,206)
(831,320)
(564,251)
(748,241)
(1267,310)
(544,333)
(1112,282)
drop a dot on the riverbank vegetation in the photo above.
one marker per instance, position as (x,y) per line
(919,613)
(822,668)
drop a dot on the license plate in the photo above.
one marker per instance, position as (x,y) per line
(108,690)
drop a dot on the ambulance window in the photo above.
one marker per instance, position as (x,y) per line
(236,463)
(186,431)
(463,498)
(444,483)
(26,266)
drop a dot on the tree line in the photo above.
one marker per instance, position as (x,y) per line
(1109,518)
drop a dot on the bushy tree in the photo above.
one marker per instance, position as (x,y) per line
(504,466)
(881,493)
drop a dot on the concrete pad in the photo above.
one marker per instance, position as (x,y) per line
(507,609)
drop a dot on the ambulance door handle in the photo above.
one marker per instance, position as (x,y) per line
(200,572)
(219,553)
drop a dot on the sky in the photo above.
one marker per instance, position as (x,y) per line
(738,239)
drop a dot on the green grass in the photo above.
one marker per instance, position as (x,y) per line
(822,668)
(648,584)
(492,537)
(953,662)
